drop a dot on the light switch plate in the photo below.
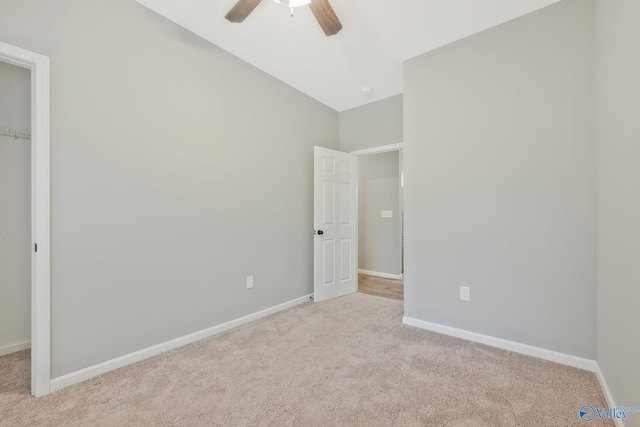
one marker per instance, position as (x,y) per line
(387,214)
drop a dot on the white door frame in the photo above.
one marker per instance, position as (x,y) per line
(377,150)
(40,213)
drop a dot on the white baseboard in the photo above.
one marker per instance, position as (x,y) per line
(378,274)
(119,362)
(607,393)
(14,348)
(541,353)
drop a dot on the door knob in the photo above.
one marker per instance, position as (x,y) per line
(320,232)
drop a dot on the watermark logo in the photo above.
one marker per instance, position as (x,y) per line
(589,413)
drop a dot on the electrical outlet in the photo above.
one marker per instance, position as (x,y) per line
(249,282)
(465,293)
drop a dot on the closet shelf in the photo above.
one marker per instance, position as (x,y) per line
(15,133)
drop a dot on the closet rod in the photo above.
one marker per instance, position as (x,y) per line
(15,133)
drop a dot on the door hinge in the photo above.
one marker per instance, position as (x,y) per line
(36,247)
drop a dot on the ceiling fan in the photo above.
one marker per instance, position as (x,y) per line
(321,9)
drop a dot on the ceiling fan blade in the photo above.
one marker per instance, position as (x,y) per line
(241,10)
(325,16)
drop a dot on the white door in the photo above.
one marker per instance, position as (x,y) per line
(335,224)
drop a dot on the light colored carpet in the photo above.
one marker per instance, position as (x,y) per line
(345,362)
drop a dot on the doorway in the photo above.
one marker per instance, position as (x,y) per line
(380,221)
(38,215)
(15,226)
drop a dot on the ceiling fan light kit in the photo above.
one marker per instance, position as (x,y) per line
(321,9)
(296,3)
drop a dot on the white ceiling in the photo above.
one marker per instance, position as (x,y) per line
(378,36)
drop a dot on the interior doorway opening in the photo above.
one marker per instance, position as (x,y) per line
(39,216)
(380,221)
(15,226)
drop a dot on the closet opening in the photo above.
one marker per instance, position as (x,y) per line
(15,227)
(25,222)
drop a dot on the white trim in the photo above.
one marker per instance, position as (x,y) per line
(541,353)
(378,274)
(40,213)
(119,362)
(14,348)
(607,393)
(380,149)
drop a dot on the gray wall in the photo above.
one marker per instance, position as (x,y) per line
(499,181)
(15,208)
(15,97)
(618,176)
(177,171)
(379,240)
(372,125)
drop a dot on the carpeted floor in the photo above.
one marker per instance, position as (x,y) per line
(344,362)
